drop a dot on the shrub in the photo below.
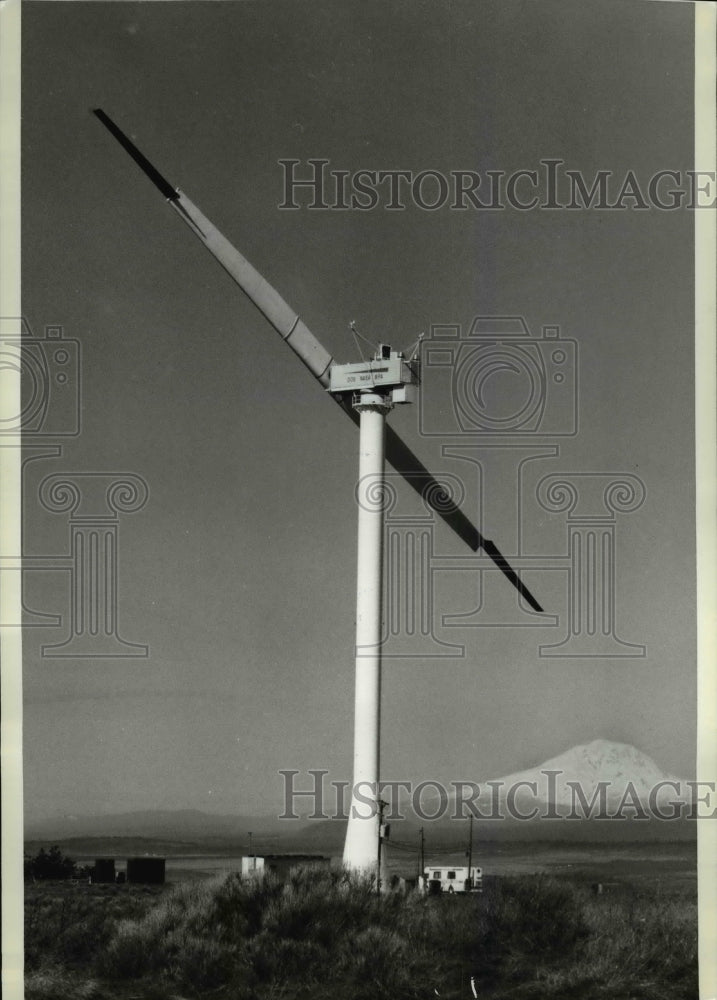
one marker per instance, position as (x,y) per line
(49,864)
(535,915)
(70,924)
(53,984)
(325,934)
(195,936)
(377,963)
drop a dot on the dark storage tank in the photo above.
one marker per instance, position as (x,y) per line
(104,870)
(146,870)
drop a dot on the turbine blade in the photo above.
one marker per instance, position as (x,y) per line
(404,461)
(417,475)
(282,317)
(427,486)
(139,158)
(316,358)
(502,563)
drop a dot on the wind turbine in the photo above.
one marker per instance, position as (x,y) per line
(366,392)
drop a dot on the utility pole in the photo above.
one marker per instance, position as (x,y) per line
(381,806)
(422,872)
(470,852)
(251,854)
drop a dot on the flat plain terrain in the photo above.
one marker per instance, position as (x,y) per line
(660,867)
(539,931)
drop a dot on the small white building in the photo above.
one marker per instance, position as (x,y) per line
(252,866)
(452,878)
(281,864)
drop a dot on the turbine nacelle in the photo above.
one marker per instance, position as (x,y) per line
(387,373)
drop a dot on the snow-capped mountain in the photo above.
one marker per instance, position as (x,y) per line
(622,769)
(576,796)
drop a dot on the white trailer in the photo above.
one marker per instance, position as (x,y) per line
(452,878)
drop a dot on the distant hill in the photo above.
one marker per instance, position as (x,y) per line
(190,825)
(117,847)
(631,777)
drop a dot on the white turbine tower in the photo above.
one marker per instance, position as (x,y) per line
(366,392)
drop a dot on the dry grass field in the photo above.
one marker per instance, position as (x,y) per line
(322,935)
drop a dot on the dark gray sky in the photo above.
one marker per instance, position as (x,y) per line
(239,572)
